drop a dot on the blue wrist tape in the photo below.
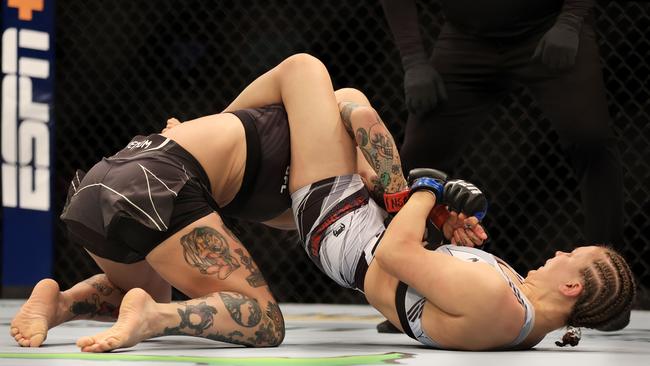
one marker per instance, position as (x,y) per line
(430,184)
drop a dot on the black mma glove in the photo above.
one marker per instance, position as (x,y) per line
(559,46)
(430,179)
(423,86)
(462,196)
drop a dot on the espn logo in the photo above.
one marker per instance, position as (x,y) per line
(25,121)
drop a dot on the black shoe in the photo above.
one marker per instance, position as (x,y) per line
(387,327)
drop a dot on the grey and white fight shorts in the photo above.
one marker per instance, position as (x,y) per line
(339,226)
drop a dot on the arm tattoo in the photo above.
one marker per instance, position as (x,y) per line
(251,314)
(378,147)
(383,145)
(206,249)
(362,138)
(346,111)
(255,279)
(377,192)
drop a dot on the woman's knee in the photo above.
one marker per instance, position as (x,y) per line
(351,95)
(303,63)
(271,328)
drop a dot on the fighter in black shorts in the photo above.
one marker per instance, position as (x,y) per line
(150,215)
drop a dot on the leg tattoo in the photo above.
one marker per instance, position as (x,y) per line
(194,318)
(255,279)
(206,249)
(249,316)
(259,328)
(271,331)
(93,307)
(98,304)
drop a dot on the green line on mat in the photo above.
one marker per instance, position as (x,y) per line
(330,361)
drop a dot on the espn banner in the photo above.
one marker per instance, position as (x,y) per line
(27,143)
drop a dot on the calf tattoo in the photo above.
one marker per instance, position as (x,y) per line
(103,289)
(93,307)
(270,331)
(194,320)
(101,283)
(205,314)
(243,310)
(206,249)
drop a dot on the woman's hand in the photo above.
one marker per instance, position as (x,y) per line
(464,231)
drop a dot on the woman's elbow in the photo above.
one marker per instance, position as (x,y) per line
(388,251)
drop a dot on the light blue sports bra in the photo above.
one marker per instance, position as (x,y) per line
(410,304)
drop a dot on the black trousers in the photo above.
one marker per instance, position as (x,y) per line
(478,73)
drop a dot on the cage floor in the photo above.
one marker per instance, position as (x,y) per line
(323,335)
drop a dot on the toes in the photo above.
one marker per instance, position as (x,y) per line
(88,344)
(36,340)
(89,348)
(111,343)
(84,342)
(92,348)
(13,331)
(104,346)
(86,349)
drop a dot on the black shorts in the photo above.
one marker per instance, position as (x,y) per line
(264,193)
(129,203)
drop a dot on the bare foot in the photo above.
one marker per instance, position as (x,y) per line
(131,326)
(29,327)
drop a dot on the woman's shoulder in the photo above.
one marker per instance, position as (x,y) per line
(488,321)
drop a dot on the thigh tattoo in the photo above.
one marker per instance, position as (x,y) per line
(206,249)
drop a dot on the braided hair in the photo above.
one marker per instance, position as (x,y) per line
(606,301)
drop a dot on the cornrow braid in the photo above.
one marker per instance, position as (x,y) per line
(606,301)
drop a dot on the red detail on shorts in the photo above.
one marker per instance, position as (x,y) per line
(317,237)
(439,215)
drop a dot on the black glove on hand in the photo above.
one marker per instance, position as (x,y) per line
(426,172)
(423,86)
(429,179)
(559,46)
(462,196)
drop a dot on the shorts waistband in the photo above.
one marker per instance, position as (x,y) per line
(159,143)
(252,161)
